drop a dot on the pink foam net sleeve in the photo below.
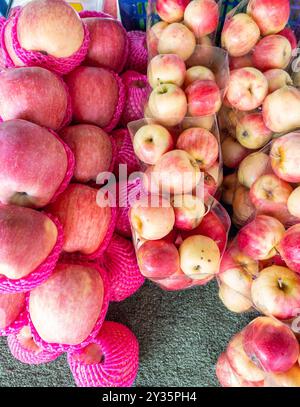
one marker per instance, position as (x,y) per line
(17,325)
(124,152)
(138,54)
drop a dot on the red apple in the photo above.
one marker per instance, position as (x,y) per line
(108,42)
(260,237)
(241,62)
(85,223)
(177,281)
(94,94)
(65,308)
(33,164)
(270,344)
(289,247)
(11,305)
(50,26)
(285,158)
(166,68)
(189,211)
(171,11)
(252,132)
(204,98)
(273,51)
(233,152)
(271,16)
(289,34)
(202,17)
(177,39)
(196,73)
(92,149)
(277,78)
(27,237)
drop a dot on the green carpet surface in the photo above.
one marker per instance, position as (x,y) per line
(181,335)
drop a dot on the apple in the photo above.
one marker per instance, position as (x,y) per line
(206,122)
(85,223)
(277,78)
(228,188)
(270,344)
(66,307)
(243,208)
(33,164)
(201,145)
(27,238)
(276,292)
(241,62)
(202,17)
(51,27)
(293,203)
(233,152)
(210,186)
(152,222)
(290,378)
(240,361)
(289,34)
(239,35)
(94,94)
(171,11)
(189,211)
(247,89)
(176,172)
(92,149)
(153,36)
(168,104)
(285,157)
(177,39)
(11,305)
(260,237)
(199,257)
(281,110)
(166,68)
(252,167)
(233,300)
(289,248)
(252,132)
(271,16)
(196,73)
(177,281)
(216,172)
(46,105)
(108,43)
(158,259)
(25,340)
(273,51)
(203,97)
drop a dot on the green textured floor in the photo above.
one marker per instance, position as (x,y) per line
(180,334)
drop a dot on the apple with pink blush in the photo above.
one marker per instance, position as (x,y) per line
(293,203)
(175,282)
(177,39)
(198,73)
(252,132)
(203,97)
(189,211)
(241,62)
(289,247)
(277,78)
(252,167)
(289,34)
(291,378)
(233,152)
(285,159)
(243,208)
(233,300)
(272,52)
(210,185)
(166,68)
(11,305)
(171,11)
(25,339)
(153,37)
(202,17)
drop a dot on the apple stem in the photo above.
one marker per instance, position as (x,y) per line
(280,283)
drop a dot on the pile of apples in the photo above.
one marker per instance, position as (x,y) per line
(264,354)
(63,89)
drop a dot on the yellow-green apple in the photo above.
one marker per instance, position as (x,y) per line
(166,68)
(285,158)
(200,144)
(189,211)
(168,104)
(152,222)
(203,97)
(201,17)
(108,42)
(243,208)
(270,344)
(171,11)
(281,110)
(293,203)
(252,167)
(177,39)
(176,281)
(65,308)
(277,78)
(247,89)
(27,237)
(289,247)
(50,26)
(260,237)
(233,152)
(288,33)
(94,94)
(271,52)
(92,149)
(151,141)
(239,35)
(33,164)
(228,188)
(177,172)
(198,72)
(158,259)
(276,292)
(271,16)
(85,223)
(290,378)
(199,257)
(233,300)
(11,305)
(252,132)
(241,62)
(153,37)
(33,94)
(240,361)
